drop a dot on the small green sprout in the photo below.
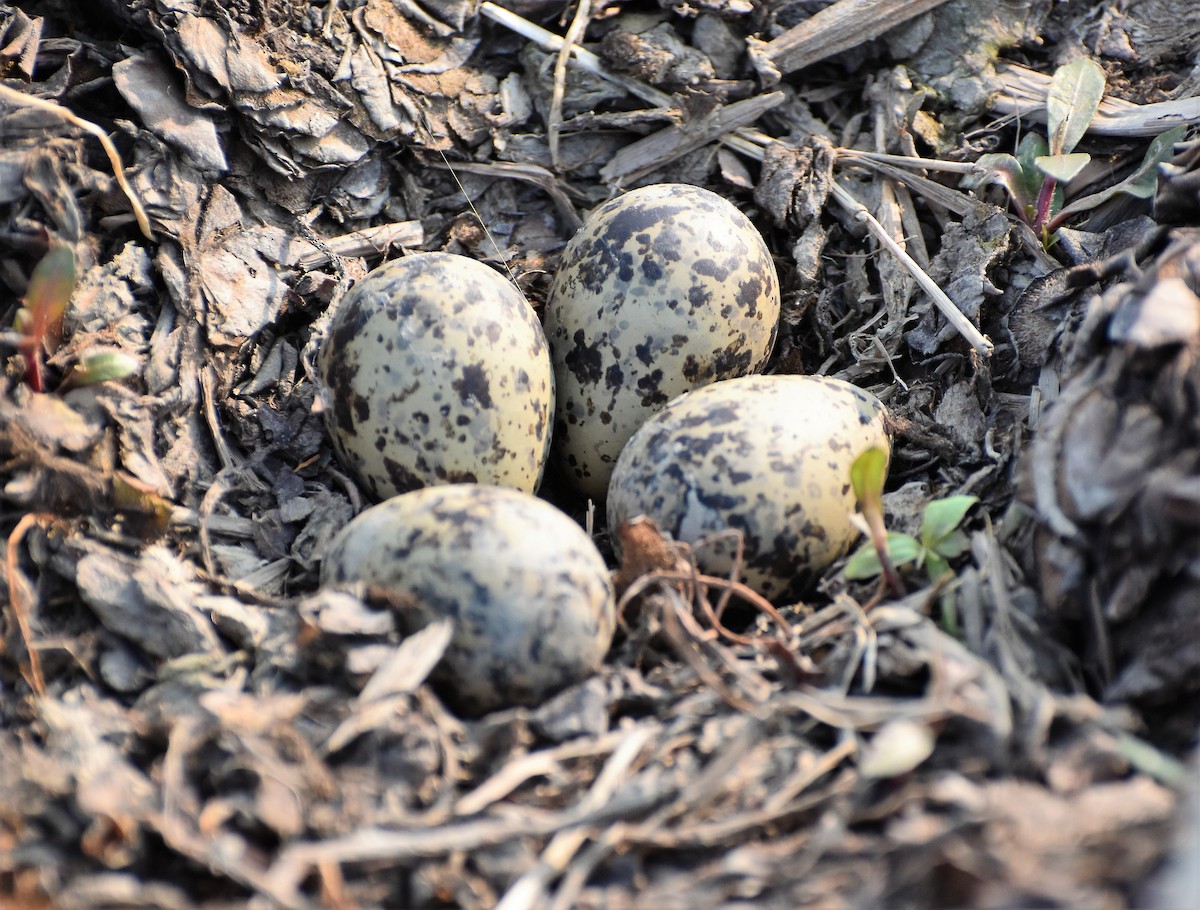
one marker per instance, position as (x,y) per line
(941,540)
(867,476)
(38,328)
(99,366)
(1034,178)
(39,321)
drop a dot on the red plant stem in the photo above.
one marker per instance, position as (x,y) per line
(891,577)
(1045,199)
(33,367)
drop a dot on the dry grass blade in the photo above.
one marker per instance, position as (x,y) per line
(530,889)
(538,764)
(808,774)
(530,173)
(688,639)
(911,162)
(579,24)
(720,775)
(20,597)
(590,62)
(978,341)
(549,41)
(179,820)
(41,104)
(651,559)
(369,241)
(378,845)
(654,151)
(836,28)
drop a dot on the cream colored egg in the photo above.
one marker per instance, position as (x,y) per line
(664,289)
(768,456)
(529,594)
(435,370)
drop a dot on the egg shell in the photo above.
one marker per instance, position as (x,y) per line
(436,370)
(767,455)
(664,289)
(529,594)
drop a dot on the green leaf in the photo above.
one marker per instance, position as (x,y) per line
(1150,760)
(1074,97)
(948,603)
(132,495)
(50,288)
(1029,149)
(954,544)
(1141,184)
(942,516)
(1007,171)
(1062,168)
(868,474)
(103,366)
(935,566)
(23,322)
(1032,145)
(997,167)
(864,562)
(903,548)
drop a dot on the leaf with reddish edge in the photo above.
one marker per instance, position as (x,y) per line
(40,322)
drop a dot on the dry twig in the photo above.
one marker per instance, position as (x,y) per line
(23,100)
(836,28)
(529,890)
(20,597)
(978,341)
(579,24)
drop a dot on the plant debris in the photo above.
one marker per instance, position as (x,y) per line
(191,721)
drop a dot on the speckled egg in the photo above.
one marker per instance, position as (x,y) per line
(664,289)
(435,370)
(529,594)
(769,456)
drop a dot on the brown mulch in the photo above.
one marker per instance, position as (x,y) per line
(188,720)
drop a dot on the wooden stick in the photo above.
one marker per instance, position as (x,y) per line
(836,28)
(953,314)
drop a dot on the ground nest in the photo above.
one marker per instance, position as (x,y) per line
(964,221)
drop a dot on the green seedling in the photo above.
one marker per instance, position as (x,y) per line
(867,476)
(38,328)
(1034,178)
(99,366)
(39,321)
(941,540)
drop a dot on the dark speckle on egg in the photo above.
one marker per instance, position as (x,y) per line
(584,360)
(472,386)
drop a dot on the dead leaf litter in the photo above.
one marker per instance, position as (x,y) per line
(188,720)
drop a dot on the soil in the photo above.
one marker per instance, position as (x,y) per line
(188,719)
